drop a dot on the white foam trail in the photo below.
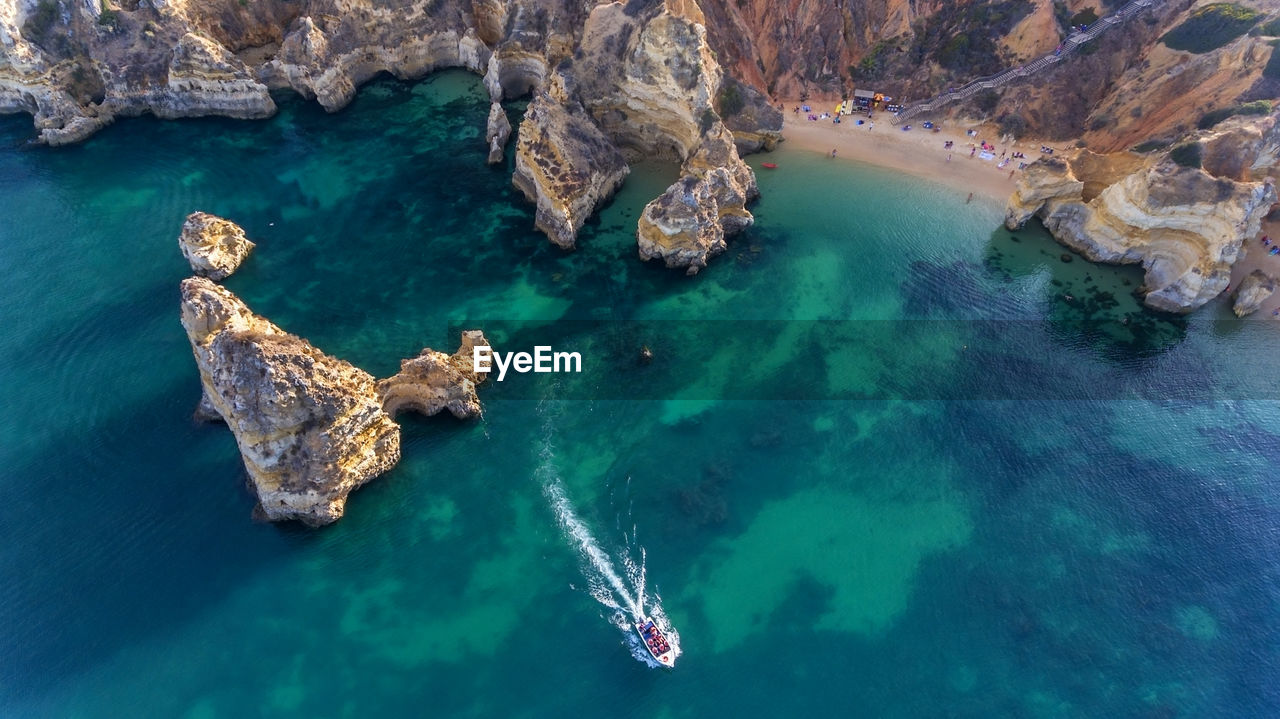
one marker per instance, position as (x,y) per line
(577,531)
(625,598)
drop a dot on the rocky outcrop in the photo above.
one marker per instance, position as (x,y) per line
(650,80)
(755,123)
(497,133)
(1242,148)
(1049,179)
(204,78)
(566,166)
(1256,288)
(215,247)
(310,427)
(687,225)
(1184,225)
(434,381)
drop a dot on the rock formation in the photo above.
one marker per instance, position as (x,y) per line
(497,132)
(688,223)
(1255,289)
(310,427)
(609,80)
(1183,224)
(650,80)
(215,247)
(433,381)
(566,166)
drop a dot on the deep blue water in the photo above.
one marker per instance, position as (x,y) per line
(889,459)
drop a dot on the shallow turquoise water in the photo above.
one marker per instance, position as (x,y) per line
(858,463)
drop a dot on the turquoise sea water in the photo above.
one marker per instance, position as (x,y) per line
(889,460)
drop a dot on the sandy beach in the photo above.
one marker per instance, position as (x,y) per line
(921,153)
(917,152)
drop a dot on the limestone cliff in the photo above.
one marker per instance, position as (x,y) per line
(310,427)
(434,381)
(1182,223)
(213,246)
(609,79)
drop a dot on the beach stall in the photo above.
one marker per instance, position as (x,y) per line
(862,100)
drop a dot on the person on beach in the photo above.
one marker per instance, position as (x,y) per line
(970,199)
(1011,174)
(948,157)
(833,152)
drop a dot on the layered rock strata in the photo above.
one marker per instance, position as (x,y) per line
(310,427)
(213,246)
(434,381)
(1182,224)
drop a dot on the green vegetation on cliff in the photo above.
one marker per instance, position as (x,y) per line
(964,38)
(1257,107)
(1187,155)
(1211,27)
(40,21)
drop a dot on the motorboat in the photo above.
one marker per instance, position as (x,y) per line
(656,642)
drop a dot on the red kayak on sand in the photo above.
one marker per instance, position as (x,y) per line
(769,165)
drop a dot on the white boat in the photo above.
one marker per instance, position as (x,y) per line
(656,642)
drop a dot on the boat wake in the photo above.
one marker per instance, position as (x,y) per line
(622,593)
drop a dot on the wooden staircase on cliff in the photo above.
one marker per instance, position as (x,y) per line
(991,82)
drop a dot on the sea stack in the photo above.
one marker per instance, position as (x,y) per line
(310,427)
(213,246)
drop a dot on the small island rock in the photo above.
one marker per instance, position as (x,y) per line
(215,247)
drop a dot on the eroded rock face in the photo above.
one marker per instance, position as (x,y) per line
(1048,179)
(328,57)
(310,427)
(433,381)
(1256,288)
(1242,148)
(204,78)
(215,247)
(609,79)
(566,166)
(1182,224)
